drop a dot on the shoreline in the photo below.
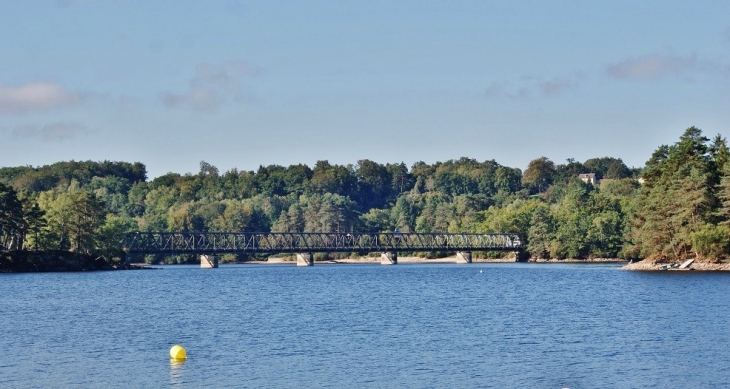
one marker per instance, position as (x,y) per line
(651,265)
(53,261)
(452,259)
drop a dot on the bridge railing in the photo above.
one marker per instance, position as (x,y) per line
(295,242)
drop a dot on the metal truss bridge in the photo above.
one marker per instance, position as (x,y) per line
(300,242)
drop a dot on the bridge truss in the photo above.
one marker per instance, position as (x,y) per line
(298,242)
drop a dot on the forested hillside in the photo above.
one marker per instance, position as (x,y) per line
(681,210)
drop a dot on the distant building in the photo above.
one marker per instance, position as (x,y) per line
(588,178)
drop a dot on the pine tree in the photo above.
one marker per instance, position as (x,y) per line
(677,199)
(12,223)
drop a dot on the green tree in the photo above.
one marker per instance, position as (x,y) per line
(12,223)
(572,217)
(35,221)
(328,213)
(88,217)
(677,198)
(437,214)
(157,203)
(374,184)
(335,179)
(605,237)
(405,212)
(712,241)
(74,219)
(566,172)
(514,217)
(403,181)
(111,232)
(607,167)
(541,233)
(507,179)
(377,220)
(290,221)
(271,180)
(539,175)
(113,191)
(240,215)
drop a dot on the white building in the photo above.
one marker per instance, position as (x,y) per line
(589,178)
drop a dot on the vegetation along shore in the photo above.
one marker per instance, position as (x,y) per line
(21,261)
(676,207)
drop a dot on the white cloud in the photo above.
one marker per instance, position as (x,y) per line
(652,67)
(35,96)
(529,87)
(52,132)
(211,86)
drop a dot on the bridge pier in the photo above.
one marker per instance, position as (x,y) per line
(389,258)
(305,259)
(463,257)
(517,257)
(208,261)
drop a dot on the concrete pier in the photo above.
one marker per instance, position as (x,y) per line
(390,258)
(305,259)
(463,257)
(208,261)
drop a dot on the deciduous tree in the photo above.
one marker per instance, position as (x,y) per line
(539,174)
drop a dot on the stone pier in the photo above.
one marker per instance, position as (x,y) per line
(389,258)
(463,257)
(305,259)
(208,261)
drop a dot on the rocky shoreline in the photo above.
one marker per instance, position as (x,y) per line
(654,265)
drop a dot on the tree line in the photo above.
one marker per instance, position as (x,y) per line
(676,206)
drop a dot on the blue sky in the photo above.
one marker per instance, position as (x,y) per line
(248,83)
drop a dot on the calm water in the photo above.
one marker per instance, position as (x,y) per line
(367,326)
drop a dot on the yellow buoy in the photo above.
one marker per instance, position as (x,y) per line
(178,352)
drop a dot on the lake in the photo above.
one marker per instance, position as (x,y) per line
(367,326)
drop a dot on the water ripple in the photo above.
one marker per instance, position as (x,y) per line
(406,326)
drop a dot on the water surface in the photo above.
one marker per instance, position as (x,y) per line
(367,326)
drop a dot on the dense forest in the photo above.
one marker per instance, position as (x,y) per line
(677,206)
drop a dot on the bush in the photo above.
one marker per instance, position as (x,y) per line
(712,241)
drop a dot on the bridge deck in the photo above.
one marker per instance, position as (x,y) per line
(296,242)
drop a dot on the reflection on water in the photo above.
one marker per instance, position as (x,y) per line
(177,368)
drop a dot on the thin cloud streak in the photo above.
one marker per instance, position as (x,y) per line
(556,86)
(652,67)
(52,132)
(531,87)
(211,86)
